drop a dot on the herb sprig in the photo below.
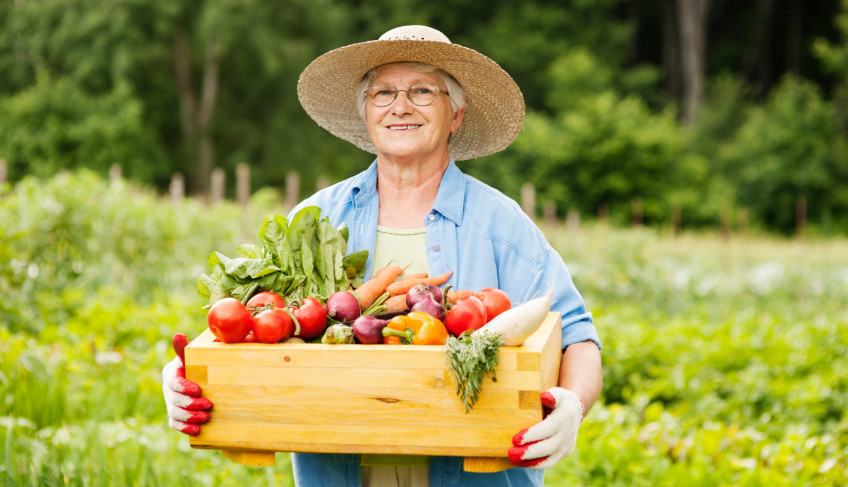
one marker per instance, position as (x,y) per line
(471,357)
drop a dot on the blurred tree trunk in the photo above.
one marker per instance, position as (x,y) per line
(693,21)
(758,57)
(794,37)
(196,111)
(671,50)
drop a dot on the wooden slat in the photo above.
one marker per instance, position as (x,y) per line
(297,356)
(379,378)
(362,397)
(388,438)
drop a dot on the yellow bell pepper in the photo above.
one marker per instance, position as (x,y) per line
(427,329)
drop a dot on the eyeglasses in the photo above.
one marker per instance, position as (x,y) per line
(420,94)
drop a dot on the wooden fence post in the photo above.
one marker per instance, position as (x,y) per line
(292,189)
(725,221)
(243,184)
(603,214)
(636,206)
(4,168)
(115,173)
(743,221)
(572,221)
(675,220)
(528,199)
(321,183)
(218,185)
(801,217)
(177,188)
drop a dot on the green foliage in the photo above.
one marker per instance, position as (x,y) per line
(790,148)
(721,358)
(56,125)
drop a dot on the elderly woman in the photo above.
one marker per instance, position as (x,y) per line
(421,103)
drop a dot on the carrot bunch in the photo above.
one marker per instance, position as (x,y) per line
(386,289)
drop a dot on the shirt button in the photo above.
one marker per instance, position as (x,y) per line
(431,217)
(436,248)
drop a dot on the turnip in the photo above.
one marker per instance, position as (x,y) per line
(343,306)
(516,324)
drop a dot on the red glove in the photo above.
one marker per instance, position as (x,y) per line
(554,438)
(187,410)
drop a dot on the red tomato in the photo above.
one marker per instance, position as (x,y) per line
(468,313)
(312,317)
(229,320)
(272,325)
(250,338)
(265,298)
(495,301)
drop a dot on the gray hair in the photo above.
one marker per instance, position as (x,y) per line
(456,94)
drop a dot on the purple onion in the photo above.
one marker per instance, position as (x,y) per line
(368,329)
(343,306)
(420,292)
(431,307)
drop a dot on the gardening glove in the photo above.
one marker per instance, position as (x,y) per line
(554,438)
(187,410)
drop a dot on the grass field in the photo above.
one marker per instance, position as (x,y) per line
(724,359)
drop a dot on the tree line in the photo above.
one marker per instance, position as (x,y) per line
(688,106)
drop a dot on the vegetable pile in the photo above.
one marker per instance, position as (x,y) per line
(300,286)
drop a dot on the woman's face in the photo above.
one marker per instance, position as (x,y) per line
(403,129)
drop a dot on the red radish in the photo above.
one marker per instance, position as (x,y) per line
(343,306)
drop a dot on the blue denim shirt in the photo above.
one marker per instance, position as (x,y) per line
(487,241)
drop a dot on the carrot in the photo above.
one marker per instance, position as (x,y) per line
(372,289)
(420,275)
(401,287)
(396,303)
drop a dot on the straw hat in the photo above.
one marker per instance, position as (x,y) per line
(495,112)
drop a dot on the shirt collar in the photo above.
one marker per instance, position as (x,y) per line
(449,200)
(365,185)
(451,196)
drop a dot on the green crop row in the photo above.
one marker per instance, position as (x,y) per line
(724,360)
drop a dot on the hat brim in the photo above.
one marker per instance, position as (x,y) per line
(495,107)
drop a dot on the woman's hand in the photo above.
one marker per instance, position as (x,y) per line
(187,410)
(554,438)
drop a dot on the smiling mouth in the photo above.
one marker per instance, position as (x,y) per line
(403,127)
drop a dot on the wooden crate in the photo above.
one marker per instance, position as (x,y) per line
(375,399)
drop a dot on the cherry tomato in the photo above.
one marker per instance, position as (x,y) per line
(495,301)
(468,313)
(272,325)
(265,298)
(312,317)
(229,320)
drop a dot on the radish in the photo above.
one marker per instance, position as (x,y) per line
(516,324)
(343,306)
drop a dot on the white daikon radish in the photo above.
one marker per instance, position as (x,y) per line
(516,324)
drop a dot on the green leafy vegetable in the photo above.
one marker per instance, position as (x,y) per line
(470,358)
(297,258)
